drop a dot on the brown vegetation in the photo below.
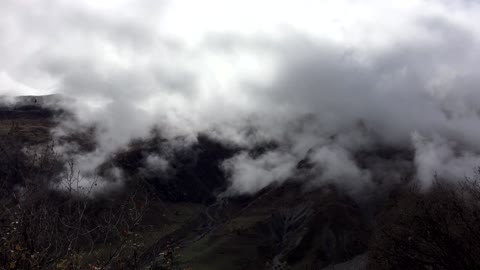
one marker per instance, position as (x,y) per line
(436,229)
(50,221)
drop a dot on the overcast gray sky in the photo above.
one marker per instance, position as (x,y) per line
(407,70)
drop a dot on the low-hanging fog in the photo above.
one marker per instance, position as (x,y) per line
(324,80)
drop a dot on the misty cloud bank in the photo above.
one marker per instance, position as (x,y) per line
(326,82)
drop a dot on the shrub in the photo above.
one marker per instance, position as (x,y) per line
(437,229)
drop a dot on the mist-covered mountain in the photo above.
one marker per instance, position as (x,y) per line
(224,134)
(193,220)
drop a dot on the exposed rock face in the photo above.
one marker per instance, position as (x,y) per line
(323,228)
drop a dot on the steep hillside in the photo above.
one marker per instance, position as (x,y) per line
(31,117)
(179,217)
(280,225)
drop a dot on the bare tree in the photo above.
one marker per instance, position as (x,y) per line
(437,229)
(49,220)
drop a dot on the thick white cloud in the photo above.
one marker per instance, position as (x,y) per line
(300,71)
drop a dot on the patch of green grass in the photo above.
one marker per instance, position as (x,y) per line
(226,251)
